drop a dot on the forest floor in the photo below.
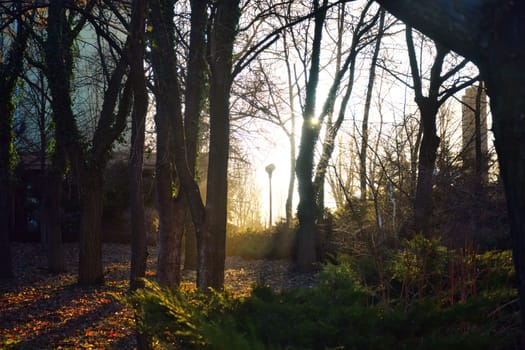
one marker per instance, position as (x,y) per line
(43,311)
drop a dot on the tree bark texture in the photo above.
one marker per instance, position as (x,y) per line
(167,264)
(59,68)
(307,211)
(174,178)
(212,240)
(423,202)
(139,252)
(490,33)
(90,164)
(90,269)
(52,220)
(194,98)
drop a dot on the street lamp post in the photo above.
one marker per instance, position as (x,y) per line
(269,169)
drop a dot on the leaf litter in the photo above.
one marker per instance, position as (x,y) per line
(39,310)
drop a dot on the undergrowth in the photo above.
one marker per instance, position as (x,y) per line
(425,308)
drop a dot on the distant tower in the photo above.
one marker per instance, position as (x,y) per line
(469,132)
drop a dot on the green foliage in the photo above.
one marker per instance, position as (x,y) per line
(420,265)
(424,267)
(14,158)
(339,313)
(494,269)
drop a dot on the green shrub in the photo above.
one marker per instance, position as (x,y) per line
(339,313)
(420,267)
(425,268)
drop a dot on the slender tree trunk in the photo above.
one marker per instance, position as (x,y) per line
(291,180)
(427,157)
(171,149)
(168,109)
(90,269)
(6,115)
(59,67)
(307,211)
(291,138)
(167,273)
(190,244)
(51,222)
(195,84)
(428,109)
(212,240)
(139,252)
(368,103)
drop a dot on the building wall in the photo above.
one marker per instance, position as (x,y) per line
(469,130)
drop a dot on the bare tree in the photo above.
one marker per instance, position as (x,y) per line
(428,109)
(489,34)
(309,187)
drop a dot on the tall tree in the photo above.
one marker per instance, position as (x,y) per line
(193,107)
(307,210)
(11,65)
(137,76)
(310,187)
(209,221)
(212,241)
(172,144)
(366,114)
(490,34)
(87,163)
(168,102)
(428,109)
(58,59)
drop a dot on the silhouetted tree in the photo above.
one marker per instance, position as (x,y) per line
(490,34)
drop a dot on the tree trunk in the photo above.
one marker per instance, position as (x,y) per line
(139,252)
(427,157)
(307,211)
(167,272)
(6,115)
(59,67)
(490,33)
(90,269)
(51,221)
(195,84)
(10,70)
(368,101)
(291,181)
(168,109)
(505,77)
(291,137)
(6,122)
(212,238)
(190,244)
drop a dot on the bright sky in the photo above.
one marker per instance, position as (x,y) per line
(392,100)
